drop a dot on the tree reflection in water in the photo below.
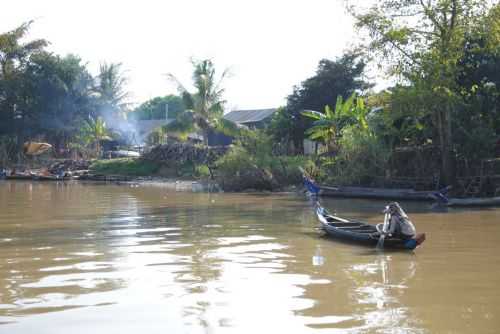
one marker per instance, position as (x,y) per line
(48,263)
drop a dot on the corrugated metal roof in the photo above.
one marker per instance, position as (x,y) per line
(249,116)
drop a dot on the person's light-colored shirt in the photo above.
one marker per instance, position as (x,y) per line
(405,226)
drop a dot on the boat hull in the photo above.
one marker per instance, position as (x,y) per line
(369,193)
(47,178)
(491,201)
(362,233)
(18,177)
(376,193)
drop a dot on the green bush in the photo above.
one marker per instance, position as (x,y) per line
(202,171)
(251,164)
(124,166)
(362,157)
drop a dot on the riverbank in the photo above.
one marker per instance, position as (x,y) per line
(137,171)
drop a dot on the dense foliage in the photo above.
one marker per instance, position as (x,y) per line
(444,53)
(441,116)
(160,107)
(52,98)
(342,76)
(252,164)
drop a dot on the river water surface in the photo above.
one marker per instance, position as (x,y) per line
(84,258)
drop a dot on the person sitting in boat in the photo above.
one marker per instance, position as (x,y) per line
(399,225)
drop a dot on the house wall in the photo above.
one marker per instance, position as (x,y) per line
(310,147)
(219,139)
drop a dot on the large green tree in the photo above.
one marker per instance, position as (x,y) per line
(59,91)
(422,42)
(48,97)
(158,108)
(340,77)
(15,56)
(479,77)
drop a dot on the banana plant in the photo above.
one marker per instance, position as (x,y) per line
(93,131)
(327,126)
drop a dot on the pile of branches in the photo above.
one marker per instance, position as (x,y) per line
(251,178)
(69,165)
(179,153)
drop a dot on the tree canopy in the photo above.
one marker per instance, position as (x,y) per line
(433,47)
(51,97)
(340,77)
(158,107)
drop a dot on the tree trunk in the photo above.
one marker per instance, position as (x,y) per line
(205,137)
(298,146)
(446,146)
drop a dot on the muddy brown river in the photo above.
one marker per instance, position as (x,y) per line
(94,258)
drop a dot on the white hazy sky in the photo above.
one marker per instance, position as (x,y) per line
(269,46)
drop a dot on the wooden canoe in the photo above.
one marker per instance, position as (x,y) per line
(376,193)
(19,177)
(442,199)
(362,233)
(370,193)
(485,201)
(47,178)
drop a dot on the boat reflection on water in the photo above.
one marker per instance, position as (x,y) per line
(368,291)
(318,259)
(379,287)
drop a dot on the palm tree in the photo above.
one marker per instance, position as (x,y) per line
(94,131)
(327,127)
(111,87)
(204,107)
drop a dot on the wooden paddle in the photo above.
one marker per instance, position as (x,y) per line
(380,243)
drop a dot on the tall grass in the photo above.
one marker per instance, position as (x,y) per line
(125,166)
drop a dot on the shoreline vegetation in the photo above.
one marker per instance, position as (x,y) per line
(437,125)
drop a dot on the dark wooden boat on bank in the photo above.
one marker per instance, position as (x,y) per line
(362,233)
(468,202)
(48,178)
(36,177)
(376,193)
(370,193)
(19,177)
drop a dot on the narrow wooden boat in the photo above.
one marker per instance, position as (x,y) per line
(19,177)
(362,233)
(376,193)
(370,193)
(468,202)
(47,177)
(34,177)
